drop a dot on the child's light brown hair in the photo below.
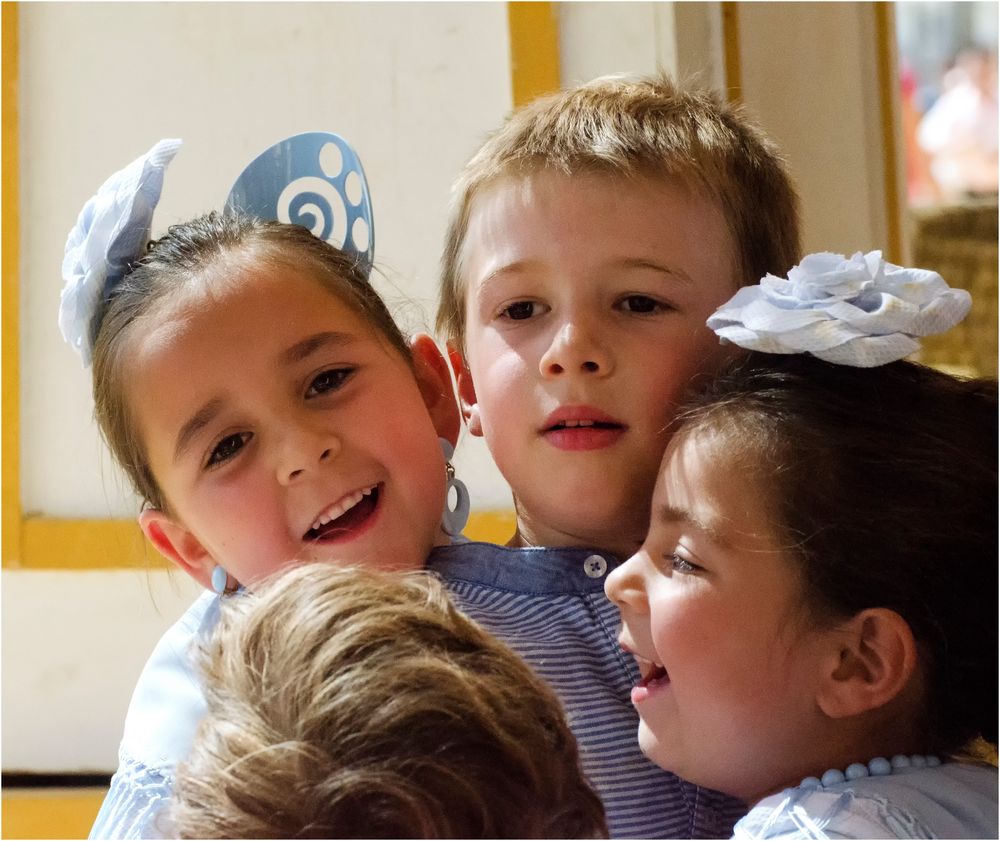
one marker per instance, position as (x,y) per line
(346,703)
(638,127)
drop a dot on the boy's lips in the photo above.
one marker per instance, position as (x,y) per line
(346,517)
(581,428)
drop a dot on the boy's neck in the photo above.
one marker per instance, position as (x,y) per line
(528,533)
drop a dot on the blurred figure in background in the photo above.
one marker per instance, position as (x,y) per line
(959,131)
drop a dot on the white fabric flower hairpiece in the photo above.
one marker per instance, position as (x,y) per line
(860,311)
(110,233)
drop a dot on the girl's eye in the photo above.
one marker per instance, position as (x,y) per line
(227,448)
(641,304)
(679,564)
(329,380)
(521,310)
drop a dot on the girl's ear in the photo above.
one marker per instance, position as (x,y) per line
(872,659)
(466,391)
(434,381)
(175,542)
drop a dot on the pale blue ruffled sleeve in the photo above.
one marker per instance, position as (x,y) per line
(133,804)
(164,713)
(952,800)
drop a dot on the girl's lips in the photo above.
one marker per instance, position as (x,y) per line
(654,679)
(353,515)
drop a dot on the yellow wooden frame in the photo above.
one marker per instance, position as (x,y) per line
(885,45)
(731,51)
(534,50)
(34,542)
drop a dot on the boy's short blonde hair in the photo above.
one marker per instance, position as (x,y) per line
(346,703)
(647,127)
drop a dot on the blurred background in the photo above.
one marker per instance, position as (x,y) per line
(887,114)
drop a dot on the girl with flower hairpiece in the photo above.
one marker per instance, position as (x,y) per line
(814,608)
(267,409)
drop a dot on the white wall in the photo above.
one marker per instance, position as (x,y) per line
(73,646)
(683,40)
(810,76)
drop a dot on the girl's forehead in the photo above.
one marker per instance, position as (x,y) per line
(241,279)
(705,465)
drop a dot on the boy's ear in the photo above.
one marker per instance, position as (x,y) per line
(175,542)
(466,390)
(434,381)
(872,659)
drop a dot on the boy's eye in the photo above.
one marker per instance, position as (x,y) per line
(227,448)
(329,380)
(641,304)
(679,564)
(520,310)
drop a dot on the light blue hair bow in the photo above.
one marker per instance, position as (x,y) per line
(860,311)
(110,233)
(313,179)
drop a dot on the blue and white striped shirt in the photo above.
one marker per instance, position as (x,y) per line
(542,603)
(548,605)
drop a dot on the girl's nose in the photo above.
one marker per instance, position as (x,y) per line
(303,452)
(625,585)
(576,348)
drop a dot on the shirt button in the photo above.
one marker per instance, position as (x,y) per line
(595,566)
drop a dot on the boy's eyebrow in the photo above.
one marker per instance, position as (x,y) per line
(310,344)
(669,515)
(625,262)
(513,267)
(642,263)
(198,421)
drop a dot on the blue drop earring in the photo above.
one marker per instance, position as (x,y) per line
(220,579)
(453,520)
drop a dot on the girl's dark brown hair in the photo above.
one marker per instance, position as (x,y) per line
(884,484)
(172,265)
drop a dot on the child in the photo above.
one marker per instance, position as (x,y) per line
(300,741)
(589,240)
(816,598)
(268,411)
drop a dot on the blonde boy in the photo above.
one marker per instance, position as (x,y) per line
(590,239)
(352,703)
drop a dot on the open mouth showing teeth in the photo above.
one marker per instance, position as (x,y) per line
(654,675)
(345,515)
(586,424)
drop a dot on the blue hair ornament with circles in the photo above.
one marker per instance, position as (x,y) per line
(315,180)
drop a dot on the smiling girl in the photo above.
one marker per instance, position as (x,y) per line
(815,604)
(268,411)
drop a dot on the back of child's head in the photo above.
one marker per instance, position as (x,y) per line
(648,127)
(344,703)
(883,483)
(187,263)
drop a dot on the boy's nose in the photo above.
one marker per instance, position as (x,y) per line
(304,452)
(575,349)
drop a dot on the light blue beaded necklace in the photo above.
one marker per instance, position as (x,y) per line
(878,767)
